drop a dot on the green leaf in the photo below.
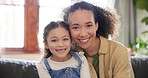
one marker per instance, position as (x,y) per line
(141,4)
(144,33)
(145,20)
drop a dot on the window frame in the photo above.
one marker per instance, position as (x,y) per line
(31,28)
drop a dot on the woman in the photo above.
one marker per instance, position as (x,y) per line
(90,27)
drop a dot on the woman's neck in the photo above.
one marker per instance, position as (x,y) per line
(94,47)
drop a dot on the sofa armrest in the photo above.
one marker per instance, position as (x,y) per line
(140,66)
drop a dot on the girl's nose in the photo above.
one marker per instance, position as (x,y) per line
(61,43)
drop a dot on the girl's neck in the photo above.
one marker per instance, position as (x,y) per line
(61,59)
(94,48)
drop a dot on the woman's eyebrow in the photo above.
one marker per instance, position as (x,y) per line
(74,24)
(88,22)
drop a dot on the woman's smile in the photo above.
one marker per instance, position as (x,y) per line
(84,41)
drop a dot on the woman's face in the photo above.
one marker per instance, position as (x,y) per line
(59,43)
(82,27)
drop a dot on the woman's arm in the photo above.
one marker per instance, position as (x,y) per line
(121,64)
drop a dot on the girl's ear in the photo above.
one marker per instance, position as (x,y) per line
(46,45)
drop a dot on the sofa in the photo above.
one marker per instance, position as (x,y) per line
(13,68)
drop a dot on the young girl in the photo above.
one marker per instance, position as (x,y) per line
(60,61)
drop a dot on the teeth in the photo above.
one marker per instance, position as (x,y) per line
(61,50)
(84,40)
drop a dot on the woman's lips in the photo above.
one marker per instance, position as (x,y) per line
(84,41)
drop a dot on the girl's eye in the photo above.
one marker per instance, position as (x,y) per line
(65,39)
(54,40)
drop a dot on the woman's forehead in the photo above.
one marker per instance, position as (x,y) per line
(81,15)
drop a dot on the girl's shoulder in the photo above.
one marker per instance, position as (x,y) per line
(81,55)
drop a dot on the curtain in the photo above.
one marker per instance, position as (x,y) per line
(11,23)
(128,29)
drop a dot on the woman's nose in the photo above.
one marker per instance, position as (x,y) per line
(83,32)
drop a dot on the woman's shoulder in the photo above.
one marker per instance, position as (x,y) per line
(118,48)
(116,43)
(111,43)
(113,46)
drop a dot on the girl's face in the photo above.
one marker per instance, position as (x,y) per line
(82,27)
(59,43)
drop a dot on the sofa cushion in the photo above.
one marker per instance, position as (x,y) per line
(13,68)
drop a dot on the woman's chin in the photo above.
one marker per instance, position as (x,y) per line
(84,46)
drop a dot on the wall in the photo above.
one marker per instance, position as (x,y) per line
(122,7)
(131,25)
(141,26)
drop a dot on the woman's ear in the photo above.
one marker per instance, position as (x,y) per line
(97,26)
(72,43)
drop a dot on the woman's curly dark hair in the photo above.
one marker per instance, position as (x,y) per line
(107,19)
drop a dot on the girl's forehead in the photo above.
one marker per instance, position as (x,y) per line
(58,28)
(60,31)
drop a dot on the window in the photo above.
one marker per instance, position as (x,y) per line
(19,25)
(50,10)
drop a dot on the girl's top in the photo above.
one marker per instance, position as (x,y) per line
(76,67)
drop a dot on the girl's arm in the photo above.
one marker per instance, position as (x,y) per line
(84,72)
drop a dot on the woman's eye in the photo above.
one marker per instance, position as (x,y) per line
(75,28)
(89,26)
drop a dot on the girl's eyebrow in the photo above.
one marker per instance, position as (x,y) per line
(57,37)
(53,37)
(66,36)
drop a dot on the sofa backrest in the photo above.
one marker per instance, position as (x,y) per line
(14,68)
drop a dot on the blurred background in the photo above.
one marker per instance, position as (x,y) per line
(22,23)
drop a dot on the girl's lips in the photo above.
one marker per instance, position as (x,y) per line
(60,50)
